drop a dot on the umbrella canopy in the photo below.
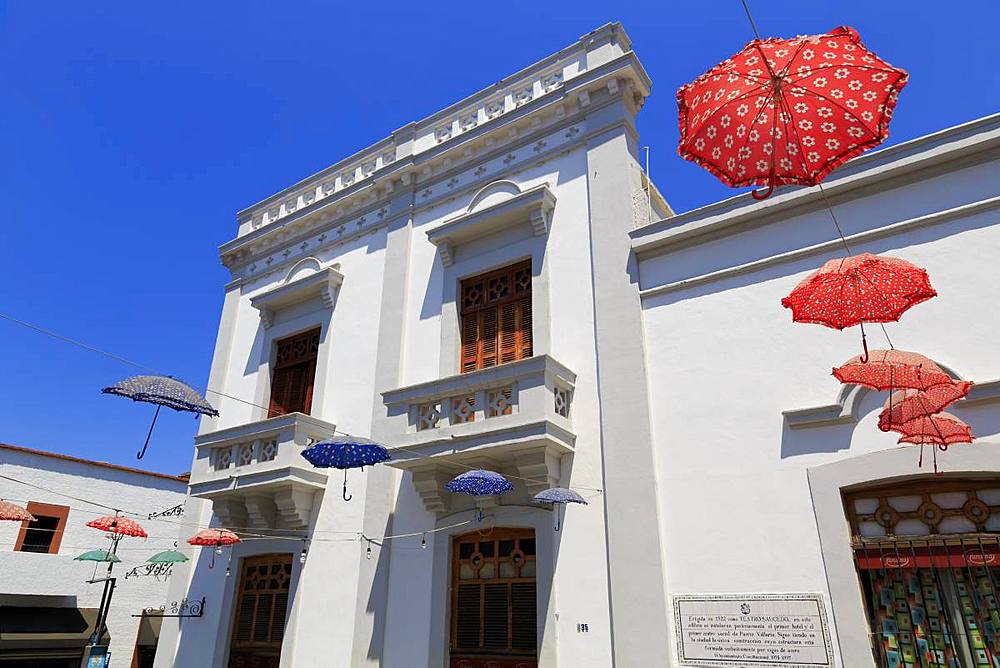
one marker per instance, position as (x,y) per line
(891,370)
(559,495)
(214,538)
(941,429)
(479,483)
(14,512)
(167,557)
(120,526)
(345,453)
(858,289)
(162,391)
(788,111)
(98,555)
(903,406)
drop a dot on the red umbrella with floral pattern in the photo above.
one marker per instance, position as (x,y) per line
(118,526)
(892,370)
(858,289)
(14,512)
(903,406)
(788,111)
(217,538)
(939,430)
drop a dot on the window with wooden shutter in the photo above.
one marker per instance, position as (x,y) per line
(261,608)
(493,600)
(44,534)
(294,373)
(496,317)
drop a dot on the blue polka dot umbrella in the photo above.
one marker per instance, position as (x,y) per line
(162,391)
(348,452)
(558,497)
(480,483)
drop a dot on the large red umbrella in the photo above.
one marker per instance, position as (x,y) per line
(903,406)
(858,289)
(892,370)
(788,111)
(119,526)
(14,513)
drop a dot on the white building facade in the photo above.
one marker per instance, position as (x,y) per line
(48,611)
(484,289)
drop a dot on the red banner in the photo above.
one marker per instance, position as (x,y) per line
(950,556)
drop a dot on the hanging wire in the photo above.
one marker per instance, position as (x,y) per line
(753,25)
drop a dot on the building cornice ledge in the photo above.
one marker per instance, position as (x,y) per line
(737,214)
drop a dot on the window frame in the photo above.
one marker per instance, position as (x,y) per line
(38,509)
(486,306)
(236,600)
(311,362)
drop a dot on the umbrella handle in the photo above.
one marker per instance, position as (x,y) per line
(771,180)
(347,497)
(142,453)
(864,344)
(557,527)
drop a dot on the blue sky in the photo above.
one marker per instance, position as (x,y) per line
(132,132)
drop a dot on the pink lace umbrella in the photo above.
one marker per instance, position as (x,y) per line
(217,538)
(904,406)
(118,526)
(14,512)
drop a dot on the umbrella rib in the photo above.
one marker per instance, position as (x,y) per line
(723,107)
(847,111)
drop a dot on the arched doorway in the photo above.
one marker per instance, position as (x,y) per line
(494,600)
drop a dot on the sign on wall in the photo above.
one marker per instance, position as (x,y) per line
(728,630)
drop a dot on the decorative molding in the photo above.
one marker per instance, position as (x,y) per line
(324,284)
(857,239)
(533,206)
(846,409)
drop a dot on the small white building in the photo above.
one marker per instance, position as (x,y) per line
(487,288)
(48,611)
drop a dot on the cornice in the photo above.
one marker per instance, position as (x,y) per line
(269,250)
(977,140)
(415,143)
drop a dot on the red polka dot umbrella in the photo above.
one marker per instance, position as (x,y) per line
(892,370)
(906,405)
(788,111)
(859,289)
(119,526)
(14,513)
(940,429)
(214,538)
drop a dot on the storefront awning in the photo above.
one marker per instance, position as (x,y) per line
(39,632)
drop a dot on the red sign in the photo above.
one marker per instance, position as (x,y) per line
(951,556)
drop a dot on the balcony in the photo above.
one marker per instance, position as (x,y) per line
(514,417)
(255,476)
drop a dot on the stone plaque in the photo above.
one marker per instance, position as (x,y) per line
(728,630)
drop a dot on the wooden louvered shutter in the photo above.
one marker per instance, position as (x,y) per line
(261,608)
(496,318)
(294,374)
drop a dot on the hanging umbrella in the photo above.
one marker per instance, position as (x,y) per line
(167,557)
(348,452)
(858,289)
(14,512)
(479,483)
(118,526)
(788,111)
(217,538)
(942,429)
(905,405)
(558,497)
(939,431)
(892,370)
(162,391)
(98,555)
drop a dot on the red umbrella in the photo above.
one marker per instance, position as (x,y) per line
(214,538)
(940,429)
(788,111)
(15,513)
(859,289)
(906,405)
(891,370)
(120,526)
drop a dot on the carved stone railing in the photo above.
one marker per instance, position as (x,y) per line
(514,417)
(255,474)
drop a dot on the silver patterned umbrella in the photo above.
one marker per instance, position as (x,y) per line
(162,391)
